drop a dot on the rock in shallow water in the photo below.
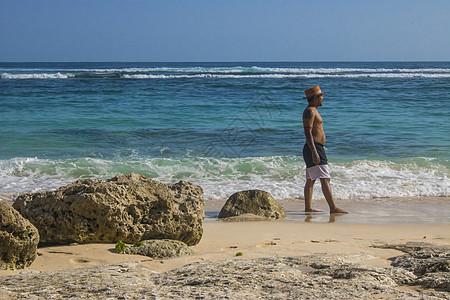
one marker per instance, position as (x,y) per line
(255,202)
(127,207)
(18,239)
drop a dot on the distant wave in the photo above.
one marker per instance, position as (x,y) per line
(211,75)
(312,75)
(224,72)
(237,69)
(36,76)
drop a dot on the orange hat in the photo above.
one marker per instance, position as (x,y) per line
(315,90)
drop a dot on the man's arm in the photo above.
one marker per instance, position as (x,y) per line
(308,123)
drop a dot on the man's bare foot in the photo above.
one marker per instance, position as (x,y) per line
(311,210)
(337,210)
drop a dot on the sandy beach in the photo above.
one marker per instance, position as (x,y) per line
(341,238)
(299,234)
(222,240)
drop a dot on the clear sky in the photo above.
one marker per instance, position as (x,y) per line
(224,30)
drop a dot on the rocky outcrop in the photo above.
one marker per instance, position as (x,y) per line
(160,249)
(18,239)
(319,276)
(255,202)
(130,208)
(430,263)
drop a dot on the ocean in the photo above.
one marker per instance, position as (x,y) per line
(226,126)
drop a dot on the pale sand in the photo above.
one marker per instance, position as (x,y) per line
(222,240)
(395,220)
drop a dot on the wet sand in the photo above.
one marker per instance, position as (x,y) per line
(375,211)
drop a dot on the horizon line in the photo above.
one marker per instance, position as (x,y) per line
(236,61)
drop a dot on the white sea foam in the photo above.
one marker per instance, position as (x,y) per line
(275,76)
(153,76)
(36,76)
(255,69)
(283,177)
(379,75)
(232,76)
(227,72)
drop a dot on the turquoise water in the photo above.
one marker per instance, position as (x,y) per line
(225,126)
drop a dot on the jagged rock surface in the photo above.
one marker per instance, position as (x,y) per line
(311,277)
(255,202)
(430,263)
(127,207)
(18,239)
(160,249)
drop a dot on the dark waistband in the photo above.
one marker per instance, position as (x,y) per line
(315,143)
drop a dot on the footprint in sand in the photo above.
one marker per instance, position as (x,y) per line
(81,260)
(229,247)
(326,241)
(271,243)
(60,252)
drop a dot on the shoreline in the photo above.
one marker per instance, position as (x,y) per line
(375,211)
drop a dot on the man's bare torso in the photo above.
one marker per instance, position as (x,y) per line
(317,128)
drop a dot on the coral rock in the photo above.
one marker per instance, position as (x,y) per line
(18,239)
(255,202)
(127,207)
(160,249)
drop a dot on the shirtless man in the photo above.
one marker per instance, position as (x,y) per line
(314,151)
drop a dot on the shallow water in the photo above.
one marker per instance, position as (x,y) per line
(379,211)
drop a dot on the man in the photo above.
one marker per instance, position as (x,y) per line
(314,151)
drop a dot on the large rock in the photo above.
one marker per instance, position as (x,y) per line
(18,239)
(127,207)
(160,249)
(255,202)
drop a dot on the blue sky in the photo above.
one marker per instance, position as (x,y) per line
(210,30)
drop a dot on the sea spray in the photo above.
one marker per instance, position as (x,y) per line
(282,176)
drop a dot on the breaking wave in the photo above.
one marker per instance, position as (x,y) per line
(282,176)
(224,72)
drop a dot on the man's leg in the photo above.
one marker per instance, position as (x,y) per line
(326,189)
(308,191)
